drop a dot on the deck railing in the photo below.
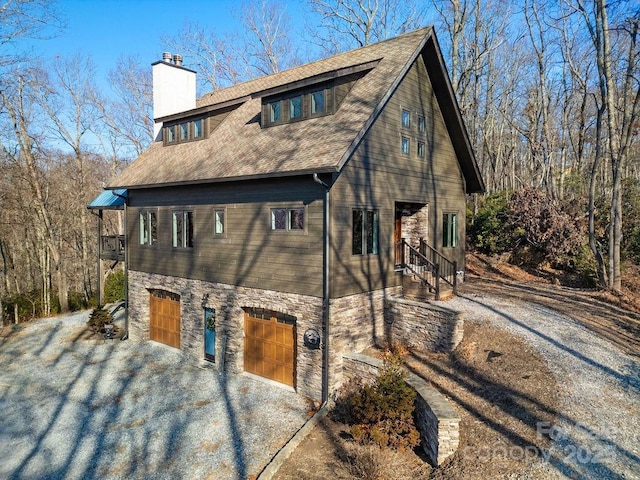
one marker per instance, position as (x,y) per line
(112,247)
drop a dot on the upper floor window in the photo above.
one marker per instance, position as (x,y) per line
(406,145)
(182,229)
(421,149)
(449,230)
(287,218)
(317,102)
(364,232)
(184,131)
(148,226)
(295,108)
(406,118)
(422,125)
(274,112)
(218,218)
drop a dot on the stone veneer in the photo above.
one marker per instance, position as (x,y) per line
(436,419)
(357,322)
(228,301)
(422,325)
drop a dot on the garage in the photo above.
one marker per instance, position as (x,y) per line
(270,345)
(164,315)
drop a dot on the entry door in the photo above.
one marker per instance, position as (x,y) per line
(269,349)
(397,236)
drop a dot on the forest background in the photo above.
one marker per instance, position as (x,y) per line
(549,91)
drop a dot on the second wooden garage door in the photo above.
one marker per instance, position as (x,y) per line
(164,314)
(269,347)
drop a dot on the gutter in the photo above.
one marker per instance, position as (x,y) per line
(325,292)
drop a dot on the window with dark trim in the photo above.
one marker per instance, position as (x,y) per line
(275,115)
(295,107)
(317,102)
(287,218)
(421,149)
(449,230)
(182,229)
(406,145)
(406,119)
(422,125)
(148,225)
(184,131)
(219,228)
(364,232)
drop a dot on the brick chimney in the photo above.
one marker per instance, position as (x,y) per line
(174,89)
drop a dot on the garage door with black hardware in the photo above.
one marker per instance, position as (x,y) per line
(269,345)
(164,315)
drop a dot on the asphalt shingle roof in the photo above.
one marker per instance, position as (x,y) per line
(240,148)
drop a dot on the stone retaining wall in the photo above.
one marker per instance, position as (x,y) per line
(437,420)
(422,325)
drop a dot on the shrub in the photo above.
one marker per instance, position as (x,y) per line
(76,301)
(488,232)
(114,287)
(382,413)
(98,319)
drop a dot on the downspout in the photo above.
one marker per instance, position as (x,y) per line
(325,292)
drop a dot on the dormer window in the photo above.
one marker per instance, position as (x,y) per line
(184,131)
(297,105)
(317,102)
(295,108)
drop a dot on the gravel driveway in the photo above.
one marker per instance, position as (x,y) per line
(77,409)
(597,435)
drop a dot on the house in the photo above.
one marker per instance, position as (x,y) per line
(269,221)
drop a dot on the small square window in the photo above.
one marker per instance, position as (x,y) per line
(406,118)
(184,131)
(278,219)
(219,222)
(295,108)
(274,112)
(317,102)
(422,125)
(197,128)
(287,218)
(421,149)
(406,145)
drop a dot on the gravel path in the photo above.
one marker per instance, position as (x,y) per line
(77,409)
(598,434)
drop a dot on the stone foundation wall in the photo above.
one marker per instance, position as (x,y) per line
(228,301)
(357,322)
(436,418)
(422,325)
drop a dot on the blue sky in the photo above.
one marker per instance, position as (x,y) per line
(108,29)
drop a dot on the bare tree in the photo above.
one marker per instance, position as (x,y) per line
(346,24)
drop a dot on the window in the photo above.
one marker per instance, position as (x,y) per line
(295,108)
(287,218)
(184,131)
(182,231)
(406,145)
(421,149)
(449,230)
(317,102)
(274,112)
(406,118)
(218,218)
(365,232)
(197,128)
(171,134)
(148,228)
(422,126)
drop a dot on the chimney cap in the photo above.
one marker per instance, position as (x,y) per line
(166,57)
(177,59)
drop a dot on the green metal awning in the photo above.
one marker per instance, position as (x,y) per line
(109,200)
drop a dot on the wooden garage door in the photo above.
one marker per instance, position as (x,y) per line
(165,318)
(269,346)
